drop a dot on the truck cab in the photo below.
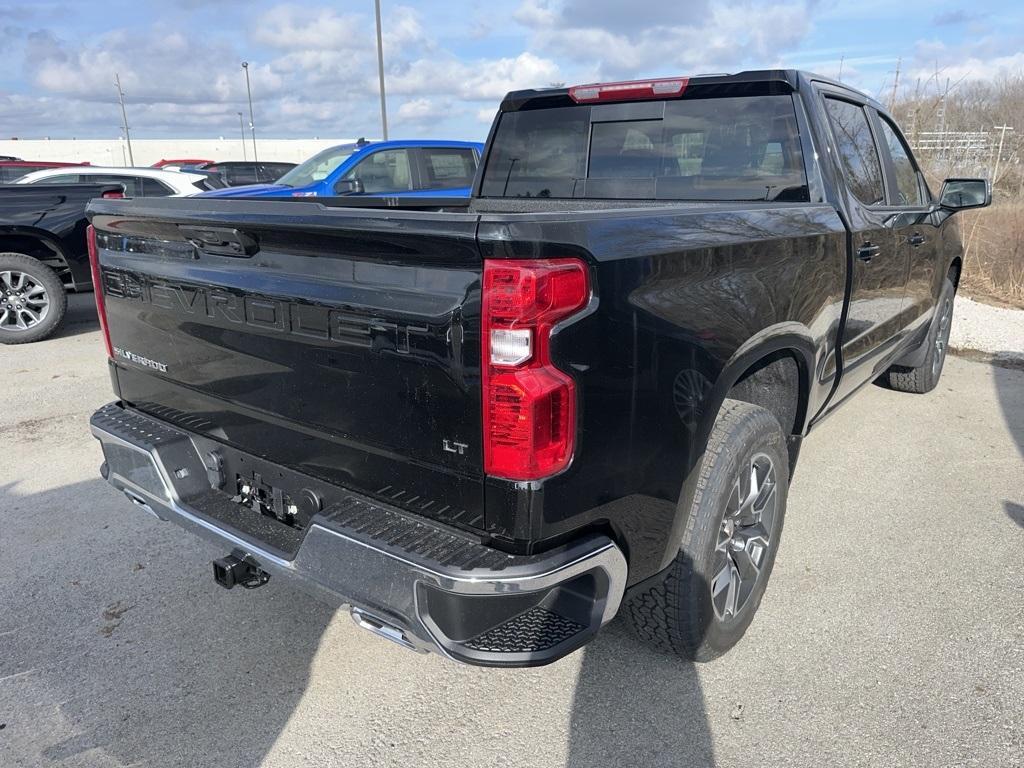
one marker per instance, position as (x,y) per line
(392,168)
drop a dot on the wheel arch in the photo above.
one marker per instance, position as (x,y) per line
(772,370)
(38,244)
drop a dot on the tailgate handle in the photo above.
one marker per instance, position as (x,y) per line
(222,241)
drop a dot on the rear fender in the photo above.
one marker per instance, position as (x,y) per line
(790,337)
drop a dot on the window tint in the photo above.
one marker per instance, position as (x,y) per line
(728,148)
(130,183)
(538,153)
(386,171)
(238,174)
(153,188)
(448,168)
(67,178)
(857,151)
(906,173)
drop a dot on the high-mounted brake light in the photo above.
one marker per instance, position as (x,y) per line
(529,404)
(97,286)
(629,90)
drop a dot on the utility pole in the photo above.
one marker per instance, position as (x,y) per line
(124,117)
(252,123)
(241,128)
(842,59)
(380,74)
(895,84)
(999,152)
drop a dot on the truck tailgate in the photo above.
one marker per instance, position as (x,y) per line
(341,343)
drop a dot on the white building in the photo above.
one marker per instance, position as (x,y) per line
(110,152)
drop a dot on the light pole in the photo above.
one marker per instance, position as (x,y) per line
(380,74)
(241,128)
(252,124)
(124,116)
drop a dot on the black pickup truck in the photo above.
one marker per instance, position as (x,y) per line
(42,255)
(490,427)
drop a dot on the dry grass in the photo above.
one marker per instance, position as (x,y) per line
(994,254)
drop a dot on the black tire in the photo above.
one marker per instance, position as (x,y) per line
(679,613)
(925,377)
(18,266)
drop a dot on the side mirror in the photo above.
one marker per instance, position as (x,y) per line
(348,187)
(961,194)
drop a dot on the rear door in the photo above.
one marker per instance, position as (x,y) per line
(879,272)
(341,343)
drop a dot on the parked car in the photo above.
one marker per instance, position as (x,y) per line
(179,163)
(490,425)
(42,255)
(12,170)
(137,182)
(394,168)
(238,173)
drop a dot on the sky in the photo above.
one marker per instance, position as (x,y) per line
(447,64)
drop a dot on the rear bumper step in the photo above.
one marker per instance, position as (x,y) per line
(425,586)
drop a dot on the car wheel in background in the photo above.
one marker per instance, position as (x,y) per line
(32,299)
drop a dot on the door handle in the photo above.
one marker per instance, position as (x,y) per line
(917,239)
(867,251)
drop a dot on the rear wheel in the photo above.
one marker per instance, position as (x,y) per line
(708,596)
(925,377)
(32,299)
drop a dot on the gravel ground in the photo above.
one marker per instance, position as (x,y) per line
(892,633)
(995,331)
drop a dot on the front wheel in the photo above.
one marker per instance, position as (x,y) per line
(708,596)
(32,299)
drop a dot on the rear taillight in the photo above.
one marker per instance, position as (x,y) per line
(97,286)
(112,194)
(630,90)
(529,405)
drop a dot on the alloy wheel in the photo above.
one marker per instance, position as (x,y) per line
(744,537)
(24,302)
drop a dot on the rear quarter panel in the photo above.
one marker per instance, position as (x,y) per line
(685,299)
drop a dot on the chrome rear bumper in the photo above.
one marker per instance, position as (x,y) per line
(423,585)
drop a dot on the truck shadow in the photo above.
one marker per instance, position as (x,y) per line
(1009,384)
(124,651)
(80,318)
(636,706)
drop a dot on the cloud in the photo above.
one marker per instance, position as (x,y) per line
(954,18)
(478,80)
(614,40)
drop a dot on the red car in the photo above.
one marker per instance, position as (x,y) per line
(180,161)
(11,170)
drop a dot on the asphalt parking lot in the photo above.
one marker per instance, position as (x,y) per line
(892,633)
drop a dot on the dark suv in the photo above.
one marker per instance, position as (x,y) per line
(239,173)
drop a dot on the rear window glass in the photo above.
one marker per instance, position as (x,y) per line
(728,148)
(448,168)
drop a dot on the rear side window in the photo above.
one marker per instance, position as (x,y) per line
(907,184)
(857,152)
(724,148)
(448,168)
(67,178)
(153,188)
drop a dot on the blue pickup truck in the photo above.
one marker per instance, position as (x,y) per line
(402,168)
